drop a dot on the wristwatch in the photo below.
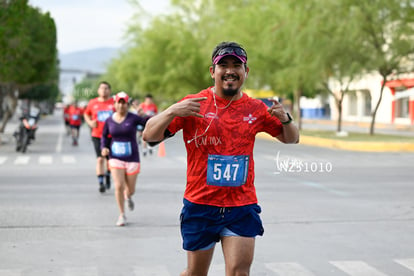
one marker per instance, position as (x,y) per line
(290,119)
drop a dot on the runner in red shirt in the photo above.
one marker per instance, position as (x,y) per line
(75,121)
(219,127)
(149,108)
(96,113)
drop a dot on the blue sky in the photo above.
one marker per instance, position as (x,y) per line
(87,24)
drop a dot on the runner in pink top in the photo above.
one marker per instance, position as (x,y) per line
(122,149)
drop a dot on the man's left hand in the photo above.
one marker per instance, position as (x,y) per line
(278,111)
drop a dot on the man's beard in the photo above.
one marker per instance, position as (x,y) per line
(230,92)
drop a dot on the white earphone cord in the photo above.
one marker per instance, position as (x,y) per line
(209,124)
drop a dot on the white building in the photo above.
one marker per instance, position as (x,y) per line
(397,104)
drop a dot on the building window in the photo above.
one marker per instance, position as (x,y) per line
(352,103)
(401,108)
(367,103)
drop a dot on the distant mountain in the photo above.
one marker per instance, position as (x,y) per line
(92,60)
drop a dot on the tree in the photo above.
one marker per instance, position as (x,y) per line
(296,50)
(13,41)
(149,66)
(43,92)
(344,61)
(387,27)
(28,55)
(289,50)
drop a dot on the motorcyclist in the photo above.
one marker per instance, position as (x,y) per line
(28,120)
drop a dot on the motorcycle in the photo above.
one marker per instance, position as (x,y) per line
(26,131)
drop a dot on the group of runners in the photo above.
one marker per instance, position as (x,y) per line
(220,203)
(114,122)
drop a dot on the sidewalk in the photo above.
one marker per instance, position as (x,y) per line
(353,145)
(363,127)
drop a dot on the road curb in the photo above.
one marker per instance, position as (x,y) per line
(350,145)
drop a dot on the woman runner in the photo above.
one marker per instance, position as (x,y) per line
(122,149)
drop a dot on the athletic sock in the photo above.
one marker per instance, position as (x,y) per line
(101,179)
(108,179)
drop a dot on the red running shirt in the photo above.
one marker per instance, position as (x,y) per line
(75,115)
(149,109)
(66,113)
(99,111)
(220,165)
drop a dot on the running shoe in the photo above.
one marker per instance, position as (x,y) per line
(101,188)
(121,221)
(130,204)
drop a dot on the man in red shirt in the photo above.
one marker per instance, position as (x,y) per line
(149,108)
(219,127)
(95,115)
(75,121)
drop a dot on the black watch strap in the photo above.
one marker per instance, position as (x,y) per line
(288,121)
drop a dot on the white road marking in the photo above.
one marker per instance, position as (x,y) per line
(45,159)
(10,272)
(60,140)
(3,159)
(81,271)
(408,263)
(289,269)
(157,270)
(324,188)
(353,268)
(68,159)
(357,268)
(22,160)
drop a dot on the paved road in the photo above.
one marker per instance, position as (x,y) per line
(325,212)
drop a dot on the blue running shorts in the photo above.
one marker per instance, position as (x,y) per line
(203,225)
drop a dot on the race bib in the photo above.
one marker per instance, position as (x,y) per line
(227,170)
(103,115)
(121,149)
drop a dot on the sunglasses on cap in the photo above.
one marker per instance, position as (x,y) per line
(236,51)
(231,50)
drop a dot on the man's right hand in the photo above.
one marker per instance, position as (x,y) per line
(188,107)
(155,128)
